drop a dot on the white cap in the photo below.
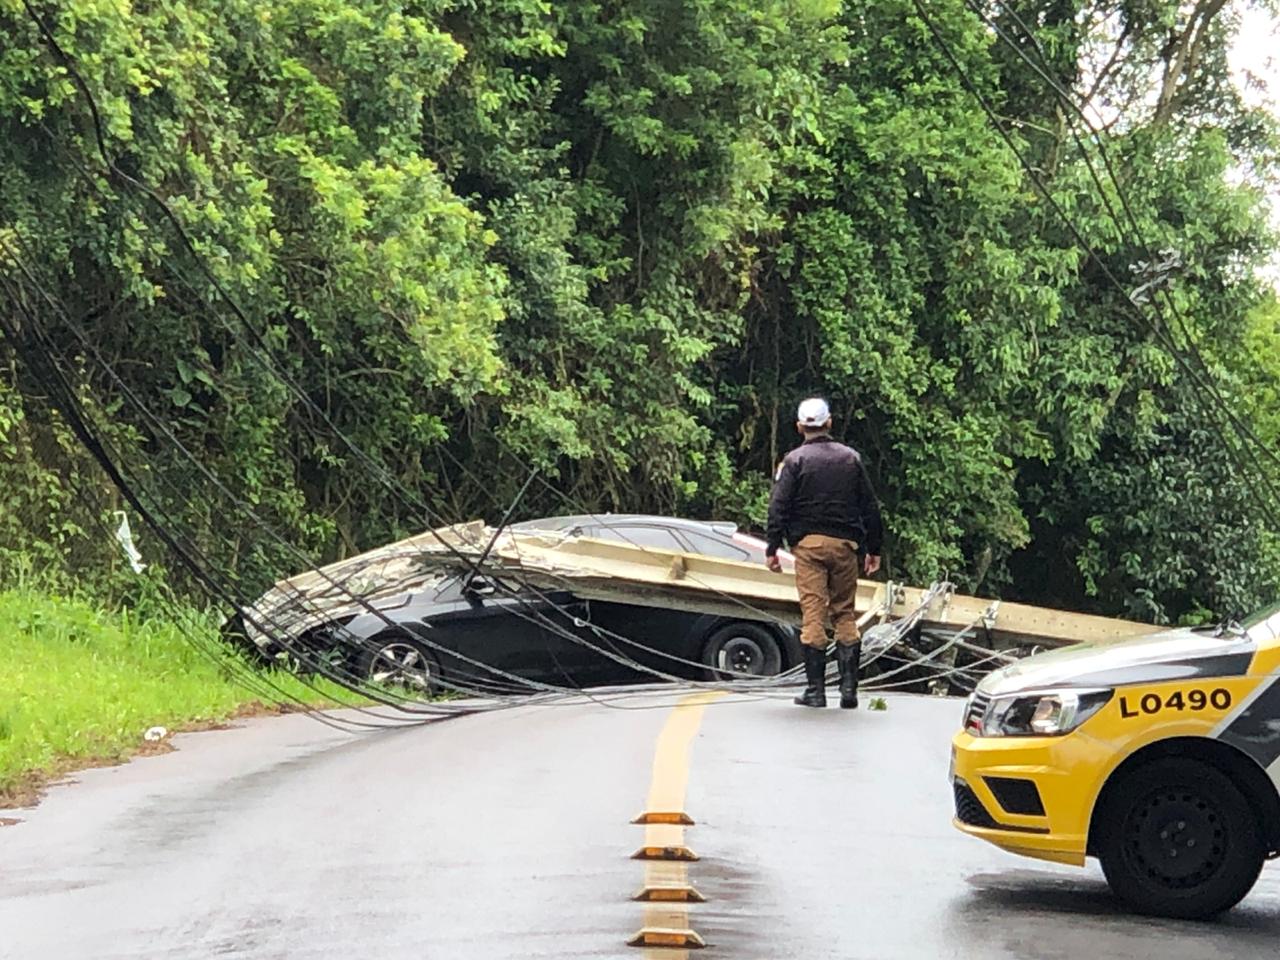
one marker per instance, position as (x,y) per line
(814,413)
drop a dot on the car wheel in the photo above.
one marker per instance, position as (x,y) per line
(1178,839)
(742,648)
(397,659)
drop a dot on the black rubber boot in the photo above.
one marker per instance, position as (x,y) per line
(849,657)
(815,672)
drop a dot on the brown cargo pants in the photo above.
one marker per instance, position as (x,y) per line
(827,579)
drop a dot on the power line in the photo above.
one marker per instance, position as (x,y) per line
(186,553)
(172,218)
(346,440)
(63,396)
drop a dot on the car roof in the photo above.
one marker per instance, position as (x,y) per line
(723,528)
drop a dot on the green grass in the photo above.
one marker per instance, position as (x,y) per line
(79,686)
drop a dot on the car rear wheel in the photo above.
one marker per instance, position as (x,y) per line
(399,660)
(742,648)
(1177,839)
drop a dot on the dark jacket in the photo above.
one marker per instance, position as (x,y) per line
(822,487)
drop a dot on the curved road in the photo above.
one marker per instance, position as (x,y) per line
(508,835)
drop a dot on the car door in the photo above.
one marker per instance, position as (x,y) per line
(506,627)
(657,639)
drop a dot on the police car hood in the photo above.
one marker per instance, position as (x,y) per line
(1172,655)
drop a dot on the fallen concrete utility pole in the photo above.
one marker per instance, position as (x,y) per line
(622,573)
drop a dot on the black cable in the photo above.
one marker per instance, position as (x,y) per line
(186,554)
(164,430)
(470,564)
(224,659)
(64,401)
(1208,384)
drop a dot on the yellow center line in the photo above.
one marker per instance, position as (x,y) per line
(667,879)
(671,756)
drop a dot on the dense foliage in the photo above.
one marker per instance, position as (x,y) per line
(618,242)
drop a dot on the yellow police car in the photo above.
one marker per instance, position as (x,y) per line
(1160,756)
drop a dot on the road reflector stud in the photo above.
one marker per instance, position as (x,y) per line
(665,853)
(667,937)
(665,816)
(670,893)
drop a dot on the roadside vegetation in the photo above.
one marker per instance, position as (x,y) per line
(317,274)
(82,685)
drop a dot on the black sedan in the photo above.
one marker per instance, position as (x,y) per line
(465,632)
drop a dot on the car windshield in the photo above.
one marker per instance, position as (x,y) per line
(1264,623)
(638,535)
(710,546)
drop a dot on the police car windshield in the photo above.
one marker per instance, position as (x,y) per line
(1259,617)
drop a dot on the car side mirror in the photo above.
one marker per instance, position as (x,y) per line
(480,587)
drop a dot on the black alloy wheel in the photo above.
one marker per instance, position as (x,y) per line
(1178,839)
(739,649)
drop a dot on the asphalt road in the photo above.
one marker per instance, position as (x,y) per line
(508,835)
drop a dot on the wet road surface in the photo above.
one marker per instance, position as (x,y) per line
(508,835)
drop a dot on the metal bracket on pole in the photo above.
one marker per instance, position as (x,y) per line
(988,621)
(948,590)
(886,605)
(989,616)
(1156,274)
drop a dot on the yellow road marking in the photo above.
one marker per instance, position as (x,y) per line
(671,756)
(666,914)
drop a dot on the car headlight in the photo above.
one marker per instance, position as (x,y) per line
(1041,714)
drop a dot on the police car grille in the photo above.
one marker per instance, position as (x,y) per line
(969,809)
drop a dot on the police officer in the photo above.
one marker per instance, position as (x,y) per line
(824,507)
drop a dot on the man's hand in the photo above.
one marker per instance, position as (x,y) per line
(870,564)
(774,563)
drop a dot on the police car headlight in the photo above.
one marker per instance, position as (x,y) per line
(1042,714)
